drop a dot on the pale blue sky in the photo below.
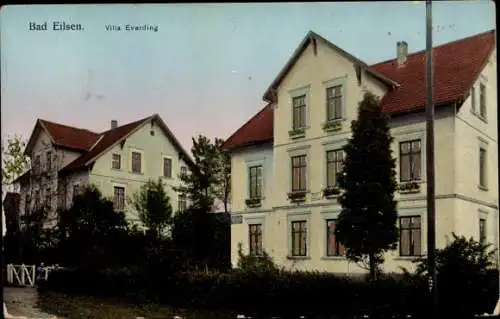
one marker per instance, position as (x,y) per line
(206,68)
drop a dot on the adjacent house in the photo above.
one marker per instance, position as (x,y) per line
(285,159)
(118,161)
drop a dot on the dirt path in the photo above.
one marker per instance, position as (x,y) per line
(23,302)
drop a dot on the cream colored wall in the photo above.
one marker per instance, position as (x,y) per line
(153,149)
(453,141)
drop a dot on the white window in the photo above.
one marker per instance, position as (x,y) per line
(334,103)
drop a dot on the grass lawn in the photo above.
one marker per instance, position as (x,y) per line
(79,307)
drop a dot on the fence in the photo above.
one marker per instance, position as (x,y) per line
(21,275)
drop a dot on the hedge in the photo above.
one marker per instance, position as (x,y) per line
(270,293)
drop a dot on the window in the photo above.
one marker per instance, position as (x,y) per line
(116,162)
(119,198)
(333,247)
(482,100)
(181,203)
(299,238)
(49,160)
(410,160)
(473,99)
(482,231)
(167,167)
(183,170)
(482,167)
(299,112)
(410,236)
(255,239)
(48,198)
(255,181)
(37,199)
(334,103)
(76,190)
(36,164)
(136,162)
(334,160)
(299,173)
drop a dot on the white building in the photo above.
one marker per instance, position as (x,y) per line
(293,145)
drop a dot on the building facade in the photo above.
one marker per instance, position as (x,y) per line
(118,161)
(285,159)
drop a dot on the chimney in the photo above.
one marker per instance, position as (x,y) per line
(402,52)
(114,124)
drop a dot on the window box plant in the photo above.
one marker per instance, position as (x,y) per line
(296,133)
(297,196)
(331,191)
(409,187)
(253,202)
(333,125)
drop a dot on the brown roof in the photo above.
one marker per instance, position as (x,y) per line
(456,66)
(69,136)
(259,129)
(104,141)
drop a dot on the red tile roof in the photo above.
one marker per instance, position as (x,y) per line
(69,136)
(259,129)
(456,65)
(92,144)
(105,141)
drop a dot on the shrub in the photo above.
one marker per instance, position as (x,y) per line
(252,263)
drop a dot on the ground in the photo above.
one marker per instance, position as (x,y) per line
(27,302)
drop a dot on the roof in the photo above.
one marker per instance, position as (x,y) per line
(92,144)
(312,36)
(259,129)
(104,142)
(64,136)
(111,137)
(457,65)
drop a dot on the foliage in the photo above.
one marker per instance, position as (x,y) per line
(201,239)
(367,223)
(252,263)
(90,229)
(14,161)
(223,188)
(465,284)
(268,294)
(153,206)
(211,179)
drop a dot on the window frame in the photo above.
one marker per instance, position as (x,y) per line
(411,154)
(141,170)
(334,82)
(299,166)
(483,167)
(482,230)
(48,159)
(171,173)
(338,246)
(482,101)
(114,161)
(181,198)
(259,249)
(296,93)
(411,240)
(336,163)
(115,188)
(331,114)
(258,180)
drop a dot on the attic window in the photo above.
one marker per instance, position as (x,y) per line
(152,132)
(315,46)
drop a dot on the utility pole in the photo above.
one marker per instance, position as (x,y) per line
(431,203)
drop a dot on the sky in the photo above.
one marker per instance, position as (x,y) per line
(205,69)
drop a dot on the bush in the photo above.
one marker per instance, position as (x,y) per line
(467,283)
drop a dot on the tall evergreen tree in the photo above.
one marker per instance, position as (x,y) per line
(367,223)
